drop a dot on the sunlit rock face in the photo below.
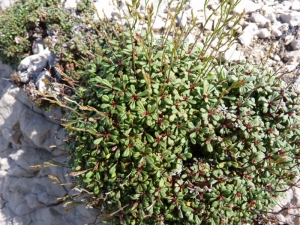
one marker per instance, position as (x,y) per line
(27,136)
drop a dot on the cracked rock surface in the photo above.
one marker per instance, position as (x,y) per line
(27,195)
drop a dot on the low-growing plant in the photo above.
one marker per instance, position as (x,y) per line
(160,132)
(27,21)
(158,136)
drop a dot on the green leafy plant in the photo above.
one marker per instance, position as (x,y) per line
(160,132)
(27,21)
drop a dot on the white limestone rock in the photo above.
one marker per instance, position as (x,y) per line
(247,5)
(295,44)
(208,25)
(233,55)
(248,33)
(172,7)
(259,19)
(104,10)
(6,3)
(160,24)
(42,83)
(290,68)
(292,57)
(269,13)
(32,65)
(181,20)
(197,5)
(290,201)
(276,32)
(293,18)
(32,59)
(38,46)
(190,39)
(7,215)
(288,39)
(70,4)
(263,33)
(295,6)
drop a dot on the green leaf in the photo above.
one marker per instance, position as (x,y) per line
(98,141)
(105,105)
(150,139)
(103,82)
(205,86)
(168,101)
(126,152)
(89,174)
(117,154)
(105,98)
(238,84)
(112,169)
(161,183)
(191,125)
(258,156)
(98,176)
(209,147)
(149,160)
(187,155)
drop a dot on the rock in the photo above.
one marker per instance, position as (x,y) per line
(190,39)
(33,202)
(290,202)
(38,46)
(70,4)
(293,18)
(276,58)
(263,33)
(284,27)
(46,199)
(200,20)
(233,55)
(276,32)
(6,216)
(104,10)
(197,5)
(292,57)
(117,14)
(42,83)
(237,27)
(6,3)
(269,13)
(32,65)
(208,25)
(259,19)
(181,20)
(248,33)
(246,5)
(290,68)
(32,59)
(296,6)
(288,39)
(295,44)
(3,145)
(22,209)
(172,7)
(159,24)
